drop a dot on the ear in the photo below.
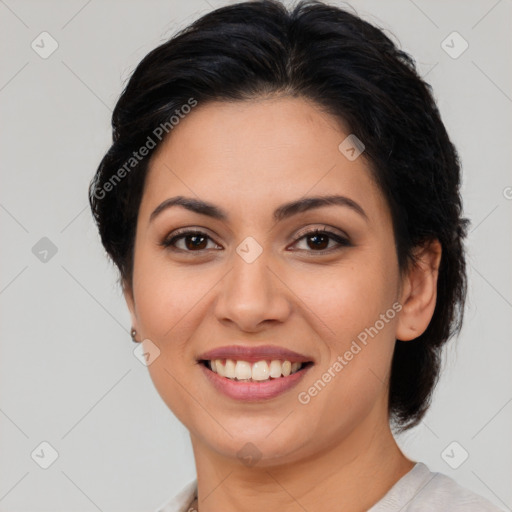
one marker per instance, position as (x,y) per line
(130,302)
(419,291)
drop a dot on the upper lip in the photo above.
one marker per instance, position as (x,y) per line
(254,353)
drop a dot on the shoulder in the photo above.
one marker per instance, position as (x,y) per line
(182,501)
(422,490)
(443,493)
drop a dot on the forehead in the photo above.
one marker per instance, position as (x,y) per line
(256,153)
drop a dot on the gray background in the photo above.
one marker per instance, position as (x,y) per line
(68,374)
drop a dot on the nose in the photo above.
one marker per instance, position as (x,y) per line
(252,296)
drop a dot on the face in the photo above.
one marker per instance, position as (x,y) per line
(260,276)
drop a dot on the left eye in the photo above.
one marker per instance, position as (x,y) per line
(318,240)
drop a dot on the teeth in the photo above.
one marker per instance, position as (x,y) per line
(275,369)
(221,369)
(229,369)
(242,370)
(259,371)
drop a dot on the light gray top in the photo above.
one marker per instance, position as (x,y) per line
(419,490)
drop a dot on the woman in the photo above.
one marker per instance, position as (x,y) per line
(282,201)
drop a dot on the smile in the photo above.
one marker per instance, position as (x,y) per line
(245,371)
(247,388)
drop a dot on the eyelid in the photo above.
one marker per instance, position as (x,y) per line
(341,240)
(182,233)
(325,228)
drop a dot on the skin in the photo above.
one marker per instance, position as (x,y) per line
(336,452)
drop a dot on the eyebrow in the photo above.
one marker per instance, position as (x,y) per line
(282,212)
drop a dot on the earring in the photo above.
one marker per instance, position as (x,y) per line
(133,334)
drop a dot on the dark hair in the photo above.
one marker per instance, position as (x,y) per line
(353,71)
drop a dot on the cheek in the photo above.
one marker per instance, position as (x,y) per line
(168,297)
(356,312)
(350,298)
(167,307)
(171,304)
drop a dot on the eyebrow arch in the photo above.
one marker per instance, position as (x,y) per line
(194,205)
(283,212)
(311,202)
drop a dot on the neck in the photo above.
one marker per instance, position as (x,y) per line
(351,475)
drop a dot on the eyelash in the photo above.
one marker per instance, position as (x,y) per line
(342,241)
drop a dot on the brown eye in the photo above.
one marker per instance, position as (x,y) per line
(189,241)
(195,242)
(318,241)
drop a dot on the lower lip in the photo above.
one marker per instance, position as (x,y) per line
(253,391)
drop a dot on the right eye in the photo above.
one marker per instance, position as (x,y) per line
(190,240)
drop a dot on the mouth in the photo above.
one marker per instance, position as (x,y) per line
(253,373)
(259,371)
